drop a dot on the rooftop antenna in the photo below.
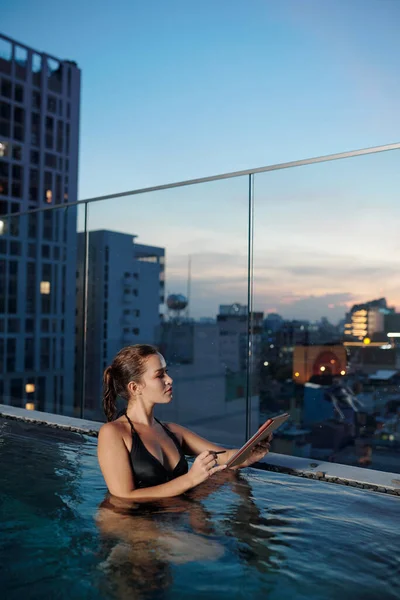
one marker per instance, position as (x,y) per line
(189,286)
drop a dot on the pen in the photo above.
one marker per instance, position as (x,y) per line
(219,452)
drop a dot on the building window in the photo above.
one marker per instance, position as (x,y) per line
(29,325)
(17,152)
(19,121)
(29,353)
(35,129)
(13,325)
(11,354)
(60,136)
(5,88)
(5,117)
(36,69)
(16,393)
(45,287)
(4,177)
(36,100)
(21,61)
(54,75)
(136,331)
(49,133)
(32,225)
(15,248)
(35,157)
(50,160)
(33,185)
(44,353)
(52,104)
(4,149)
(32,250)
(19,93)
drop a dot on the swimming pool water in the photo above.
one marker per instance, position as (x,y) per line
(251,534)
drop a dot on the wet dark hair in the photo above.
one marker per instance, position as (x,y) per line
(128,365)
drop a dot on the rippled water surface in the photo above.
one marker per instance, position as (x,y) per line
(248,535)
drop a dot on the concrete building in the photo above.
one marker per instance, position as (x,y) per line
(39,141)
(205,398)
(125,296)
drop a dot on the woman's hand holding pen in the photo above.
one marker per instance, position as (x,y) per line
(205,465)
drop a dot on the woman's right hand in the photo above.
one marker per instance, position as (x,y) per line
(204,466)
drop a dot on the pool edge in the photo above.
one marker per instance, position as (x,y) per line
(368,479)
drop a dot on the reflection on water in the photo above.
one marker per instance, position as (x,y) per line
(145,539)
(251,534)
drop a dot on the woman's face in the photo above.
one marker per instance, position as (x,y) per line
(156,386)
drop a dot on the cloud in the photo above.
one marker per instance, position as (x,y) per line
(299,285)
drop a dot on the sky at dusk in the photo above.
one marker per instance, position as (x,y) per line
(177,90)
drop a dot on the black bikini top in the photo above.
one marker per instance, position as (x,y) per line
(147,469)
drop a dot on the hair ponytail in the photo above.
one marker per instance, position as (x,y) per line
(109,394)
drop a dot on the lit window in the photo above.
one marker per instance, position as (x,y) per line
(1,227)
(30,406)
(30,388)
(3,149)
(45,287)
(49,196)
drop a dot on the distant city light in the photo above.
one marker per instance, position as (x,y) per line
(390,334)
(266,363)
(367,341)
(322,369)
(1,227)
(343,372)
(297,374)
(271,346)
(30,388)
(332,361)
(30,406)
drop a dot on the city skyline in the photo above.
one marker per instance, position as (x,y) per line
(200,93)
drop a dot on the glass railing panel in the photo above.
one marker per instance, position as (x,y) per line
(327,295)
(169,268)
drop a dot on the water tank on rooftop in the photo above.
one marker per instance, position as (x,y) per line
(177,302)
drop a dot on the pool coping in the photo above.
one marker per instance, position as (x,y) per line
(369,479)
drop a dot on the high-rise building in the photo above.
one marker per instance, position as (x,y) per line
(367,321)
(233,334)
(124,301)
(39,140)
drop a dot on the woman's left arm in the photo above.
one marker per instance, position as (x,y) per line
(194,445)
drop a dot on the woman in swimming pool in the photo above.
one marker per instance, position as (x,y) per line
(140,457)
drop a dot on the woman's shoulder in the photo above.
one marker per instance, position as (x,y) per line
(112,430)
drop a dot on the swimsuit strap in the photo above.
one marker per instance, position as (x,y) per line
(130,423)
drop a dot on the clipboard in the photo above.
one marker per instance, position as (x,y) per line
(268,427)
